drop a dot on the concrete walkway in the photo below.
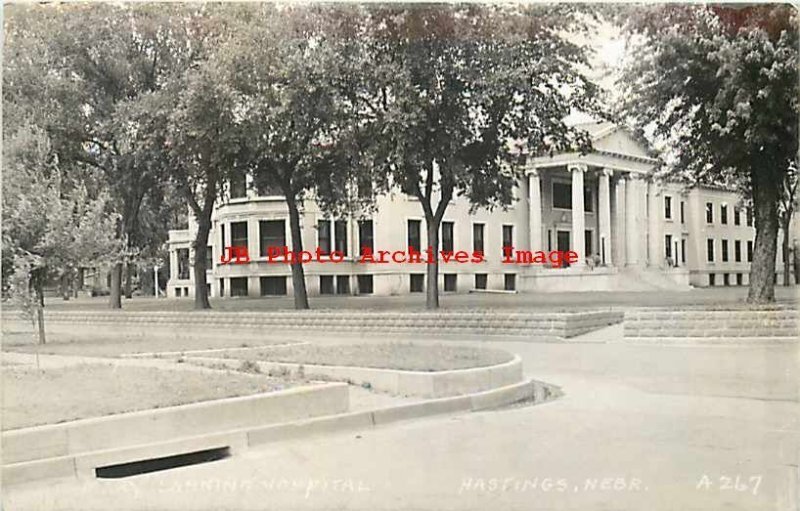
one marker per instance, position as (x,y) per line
(639,428)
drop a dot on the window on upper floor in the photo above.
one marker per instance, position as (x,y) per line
(415,235)
(448,242)
(239,234)
(272,233)
(668,207)
(710,250)
(562,195)
(366,236)
(724,251)
(723,214)
(477,237)
(709,213)
(736,216)
(324,236)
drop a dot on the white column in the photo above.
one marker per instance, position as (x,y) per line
(632,232)
(578,218)
(535,210)
(619,222)
(604,216)
(654,236)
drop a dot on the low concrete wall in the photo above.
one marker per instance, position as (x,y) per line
(159,425)
(249,325)
(699,323)
(431,384)
(238,440)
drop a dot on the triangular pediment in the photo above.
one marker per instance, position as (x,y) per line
(618,141)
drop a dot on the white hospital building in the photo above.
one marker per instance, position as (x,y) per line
(632,232)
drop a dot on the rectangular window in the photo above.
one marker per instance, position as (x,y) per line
(238,286)
(508,237)
(324,236)
(738,279)
(724,251)
(340,236)
(239,234)
(710,250)
(447,236)
(480,280)
(183,263)
(209,257)
(342,284)
(178,292)
(273,286)
(749,217)
(711,279)
(221,287)
(417,282)
(726,279)
(709,213)
(271,233)
(683,217)
(749,251)
(365,284)
(588,205)
(668,207)
(414,234)
(326,285)
(587,240)
(736,216)
(238,184)
(477,237)
(366,236)
(737,251)
(450,280)
(562,195)
(668,246)
(683,251)
(510,282)
(723,214)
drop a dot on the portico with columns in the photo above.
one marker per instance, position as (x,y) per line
(605,205)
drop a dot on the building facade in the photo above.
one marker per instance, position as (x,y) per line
(631,232)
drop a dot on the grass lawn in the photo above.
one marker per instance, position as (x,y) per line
(32,396)
(78,343)
(403,356)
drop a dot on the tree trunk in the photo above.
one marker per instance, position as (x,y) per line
(298,274)
(38,287)
(762,270)
(787,263)
(65,282)
(201,301)
(115,296)
(128,280)
(432,278)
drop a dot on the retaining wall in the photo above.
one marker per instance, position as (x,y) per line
(247,324)
(698,323)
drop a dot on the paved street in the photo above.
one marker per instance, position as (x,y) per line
(639,427)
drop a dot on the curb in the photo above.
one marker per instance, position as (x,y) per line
(83,465)
(428,384)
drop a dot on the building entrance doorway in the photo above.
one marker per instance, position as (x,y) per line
(562,243)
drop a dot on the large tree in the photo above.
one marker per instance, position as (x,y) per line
(720,86)
(289,73)
(461,94)
(51,226)
(88,73)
